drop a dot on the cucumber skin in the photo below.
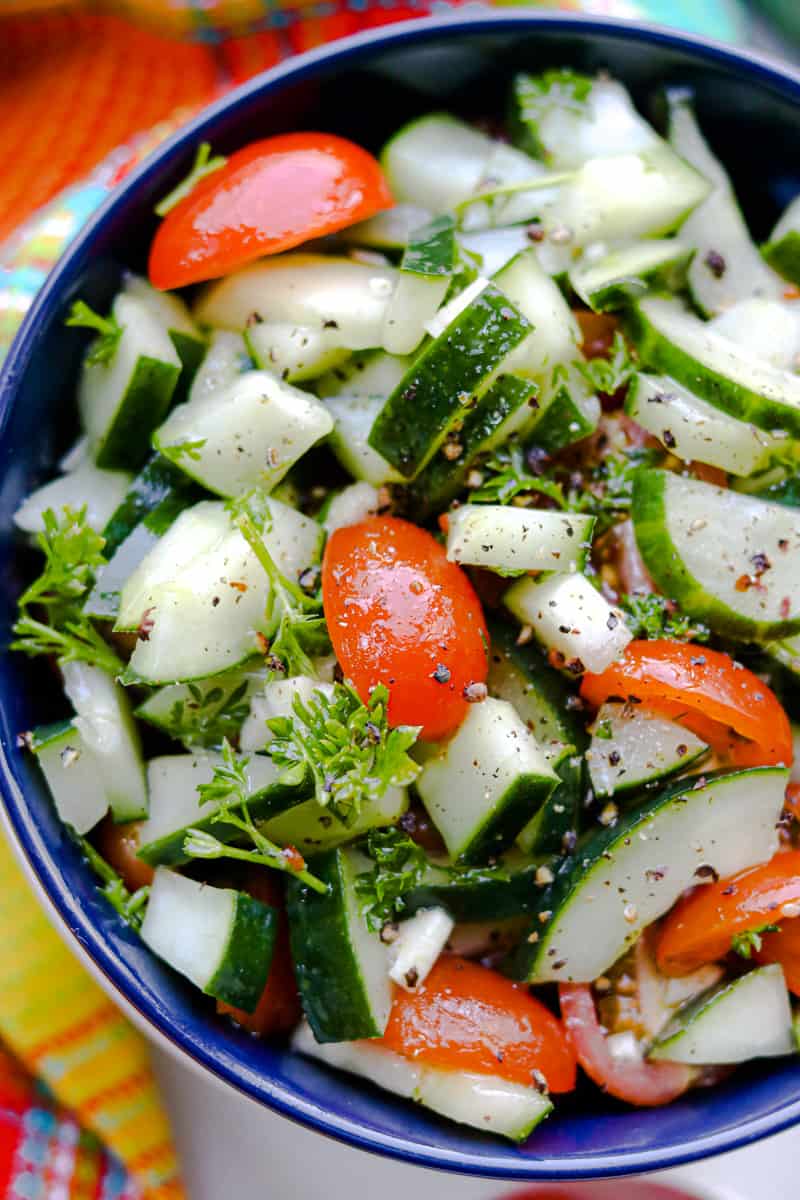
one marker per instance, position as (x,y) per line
(157,481)
(141,410)
(663,561)
(498,831)
(669,276)
(440,480)
(167,851)
(191,351)
(784,256)
(432,250)
(554,429)
(421,411)
(546,833)
(485,900)
(333,1000)
(657,354)
(241,978)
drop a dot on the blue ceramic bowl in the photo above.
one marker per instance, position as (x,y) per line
(364,88)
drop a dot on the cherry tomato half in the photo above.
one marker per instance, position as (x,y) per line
(468,1018)
(119,845)
(701,926)
(399,613)
(269,197)
(705,691)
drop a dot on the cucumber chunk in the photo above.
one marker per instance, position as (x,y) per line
(353,418)
(99,491)
(341,964)
(220,939)
(569,412)
(609,282)
(732,378)
(740,1019)
(123,400)
(158,481)
(353,504)
(276,699)
(486,782)
(388,230)
(556,336)
(173,314)
(107,728)
(482,1101)
(427,269)
(570,616)
(728,559)
(311,827)
(625,876)
(175,805)
(314,290)
(418,944)
(692,429)
(727,266)
(200,714)
(782,251)
(294,352)
(442,383)
(768,328)
(225,360)
(72,775)
(633,749)
(506,891)
(247,436)
(515,540)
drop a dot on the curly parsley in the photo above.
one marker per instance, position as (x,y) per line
(208,718)
(129,905)
(609,374)
(654,616)
(348,748)
(104,347)
(399,867)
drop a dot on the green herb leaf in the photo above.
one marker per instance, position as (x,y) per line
(129,905)
(350,751)
(751,939)
(185,449)
(104,347)
(603,731)
(207,719)
(203,165)
(507,476)
(229,792)
(399,867)
(608,375)
(654,616)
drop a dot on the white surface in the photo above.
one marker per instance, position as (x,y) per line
(266,1156)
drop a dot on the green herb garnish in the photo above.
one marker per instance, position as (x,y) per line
(208,718)
(654,616)
(751,939)
(609,374)
(348,748)
(104,347)
(399,867)
(185,449)
(507,476)
(129,905)
(203,165)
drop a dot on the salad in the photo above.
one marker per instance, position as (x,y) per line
(424,589)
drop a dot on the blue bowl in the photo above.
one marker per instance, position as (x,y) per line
(363,88)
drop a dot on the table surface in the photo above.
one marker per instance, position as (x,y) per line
(231,1147)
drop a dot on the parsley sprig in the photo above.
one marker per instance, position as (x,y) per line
(751,940)
(203,165)
(507,476)
(609,373)
(73,553)
(109,330)
(351,753)
(208,718)
(185,449)
(129,905)
(229,792)
(654,616)
(295,627)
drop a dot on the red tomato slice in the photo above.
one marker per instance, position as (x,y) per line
(700,927)
(468,1018)
(637,1082)
(269,197)
(400,614)
(784,948)
(706,692)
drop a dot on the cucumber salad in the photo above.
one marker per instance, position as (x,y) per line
(425,590)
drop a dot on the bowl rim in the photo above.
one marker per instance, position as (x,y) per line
(27,841)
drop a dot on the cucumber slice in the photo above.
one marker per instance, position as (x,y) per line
(630,750)
(730,377)
(276,699)
(304,289)
(767,328)
(78,453)
(692,429)
(503,409)
(497,247)
(72,775)
(248,436)
(106,725)
(442,383)
(373,374)
(426,272)
(503,892)
(728,559)
(158,481)
(569,412)
(419,942)
(173,314)
(744,1018)
(782,251)
(481,1101)
(727,266)
(294,352)
(312,828)
(609,282)
(175,806)
(200,714)
(220,939)
(122,401)
(341,964)
(566,118)
(625,876)
(100,491)
(486,782)
(225,360)
(555,337)
(353,504)
(388,230)
(515,540)
(353,418)
(570,616)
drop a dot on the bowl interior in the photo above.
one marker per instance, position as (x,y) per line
(364,90)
